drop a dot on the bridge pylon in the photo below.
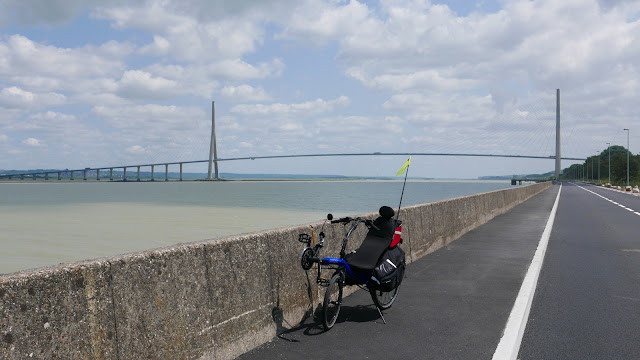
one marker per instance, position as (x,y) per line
(213,151)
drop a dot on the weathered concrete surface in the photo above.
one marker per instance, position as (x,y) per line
(162,303)
(58,313)
(209,300)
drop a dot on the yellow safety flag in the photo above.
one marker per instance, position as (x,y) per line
(404,167)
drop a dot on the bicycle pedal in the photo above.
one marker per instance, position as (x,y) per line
(323,282)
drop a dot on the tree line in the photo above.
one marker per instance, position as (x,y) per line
(588,170)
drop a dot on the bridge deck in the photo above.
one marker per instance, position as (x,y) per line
(453,304)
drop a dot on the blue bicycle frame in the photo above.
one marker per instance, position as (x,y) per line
(352,277)
(356,277)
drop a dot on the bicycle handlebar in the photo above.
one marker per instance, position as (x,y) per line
(347,220)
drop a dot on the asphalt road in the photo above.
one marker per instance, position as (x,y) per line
(453,303)
(587,303)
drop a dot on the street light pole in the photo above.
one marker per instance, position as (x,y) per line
(627,156)
(609,147)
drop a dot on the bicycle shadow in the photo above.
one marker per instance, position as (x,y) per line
(311,322)
(312,325)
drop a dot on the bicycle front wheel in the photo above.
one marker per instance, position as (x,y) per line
(384,299)
(332,301)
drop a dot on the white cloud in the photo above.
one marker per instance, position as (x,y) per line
(149,118)
(183,36)
(309,108)
(53,118)
(37,11)
(244,93)
(238,70)
(142,85)
(136,149)
(320,21)
(443,80)
(23,56)
(58,12)
(32,142)
(65,135)
(4,138)
(16,98)
(159,47)
(374,133)
(56,75)
(416,45)
(155,133)
(442,110)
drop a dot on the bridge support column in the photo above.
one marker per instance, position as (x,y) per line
(213,151)
(46,176)
(153,173)
(59,175)
(124,176)
(71,173)
(180,171)
(84,175)
(111,174)
(98,174)
(138,174)
(166,172)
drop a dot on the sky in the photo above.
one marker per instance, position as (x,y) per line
(88,83)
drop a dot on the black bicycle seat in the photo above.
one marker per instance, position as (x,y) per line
(367,256)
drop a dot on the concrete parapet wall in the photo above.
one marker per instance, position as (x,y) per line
(208,300)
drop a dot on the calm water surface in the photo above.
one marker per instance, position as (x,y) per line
(44,224)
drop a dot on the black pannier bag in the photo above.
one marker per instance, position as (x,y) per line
(390,270)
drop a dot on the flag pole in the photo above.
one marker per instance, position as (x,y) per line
(402,194)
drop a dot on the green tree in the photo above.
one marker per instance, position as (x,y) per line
(618,167)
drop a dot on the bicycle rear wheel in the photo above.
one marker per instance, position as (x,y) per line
(332,301)
(384,299)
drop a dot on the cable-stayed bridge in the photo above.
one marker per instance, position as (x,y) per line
(132,172)
(107,173)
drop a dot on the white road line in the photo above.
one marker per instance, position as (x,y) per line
(622,206)
(509,345)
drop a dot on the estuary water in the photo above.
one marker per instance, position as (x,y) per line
(44,224)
